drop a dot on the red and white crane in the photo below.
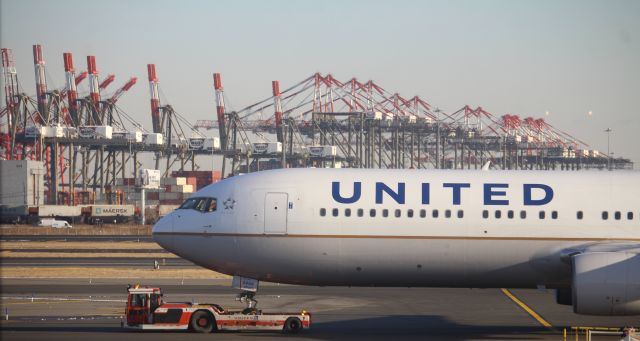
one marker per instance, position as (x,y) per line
(128,85)
(105,83)
(94,89)
(41,82)
(71,89)
(275,86)
(217,85)
(155,98)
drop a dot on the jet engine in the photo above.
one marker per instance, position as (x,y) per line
(606,283)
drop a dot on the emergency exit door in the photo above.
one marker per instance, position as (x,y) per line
(275,213)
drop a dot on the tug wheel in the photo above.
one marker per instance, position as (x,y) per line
(201,322)
(292,325)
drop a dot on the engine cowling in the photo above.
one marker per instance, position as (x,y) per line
(606,283)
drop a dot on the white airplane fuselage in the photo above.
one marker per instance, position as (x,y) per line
(291,226)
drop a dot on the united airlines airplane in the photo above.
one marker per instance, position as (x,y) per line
(577,232)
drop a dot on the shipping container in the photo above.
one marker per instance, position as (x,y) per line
(163,210)
(376,115)
(181,188)
(323,151)
(53,131)
(33,131)
(13,214)
(22,182)
(108,213)
(267,147)
(96,132)
(153,139)
(173,181)
(130,136)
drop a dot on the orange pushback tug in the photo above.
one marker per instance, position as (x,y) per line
(147,311)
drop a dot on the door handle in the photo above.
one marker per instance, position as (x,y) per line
(207,225)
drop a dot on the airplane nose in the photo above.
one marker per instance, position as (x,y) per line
(162,232)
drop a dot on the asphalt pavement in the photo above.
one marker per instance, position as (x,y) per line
(58,309)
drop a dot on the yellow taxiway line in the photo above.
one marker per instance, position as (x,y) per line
(526,308)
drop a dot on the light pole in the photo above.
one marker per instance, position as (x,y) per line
(608,131)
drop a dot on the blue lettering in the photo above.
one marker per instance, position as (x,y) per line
(425,193)
(548,194)
(335,192)
(397,196)
(456,190)
(489,194)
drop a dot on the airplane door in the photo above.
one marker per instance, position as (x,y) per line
(275,213)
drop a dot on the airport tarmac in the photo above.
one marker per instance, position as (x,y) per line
(63,309)
(112,262)
(71,237)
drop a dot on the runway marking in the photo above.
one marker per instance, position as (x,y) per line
(40,301)
(59,299)
(526,308)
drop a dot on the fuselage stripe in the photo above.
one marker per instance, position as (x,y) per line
(338,236)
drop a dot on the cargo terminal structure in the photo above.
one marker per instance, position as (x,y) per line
(90,150)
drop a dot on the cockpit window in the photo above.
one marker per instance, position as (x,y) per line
(189,203)
(213,205)
(200,204)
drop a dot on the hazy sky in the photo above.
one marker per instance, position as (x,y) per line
(516,57)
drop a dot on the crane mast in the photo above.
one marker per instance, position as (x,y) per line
(155,98)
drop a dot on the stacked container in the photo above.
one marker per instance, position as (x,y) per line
(198,178)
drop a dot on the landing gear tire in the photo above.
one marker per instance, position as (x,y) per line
(202,322)
(250,311)
(292,325)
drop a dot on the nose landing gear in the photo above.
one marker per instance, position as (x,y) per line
(249,287)
(247,297)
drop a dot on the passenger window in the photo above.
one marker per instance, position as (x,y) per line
(630,215)
(510,214)
(523,214)
(398,213)
(347,212)
(447,213)
(385,213)
(617,215)
(423,213)
(460,214)
(541,215)
(410,213)
(579,215)
(554,214)
(605,215)
(323,212)
(485,214)
(372,212)
(360,212)
(335,212)
(434,213)
(498,214)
